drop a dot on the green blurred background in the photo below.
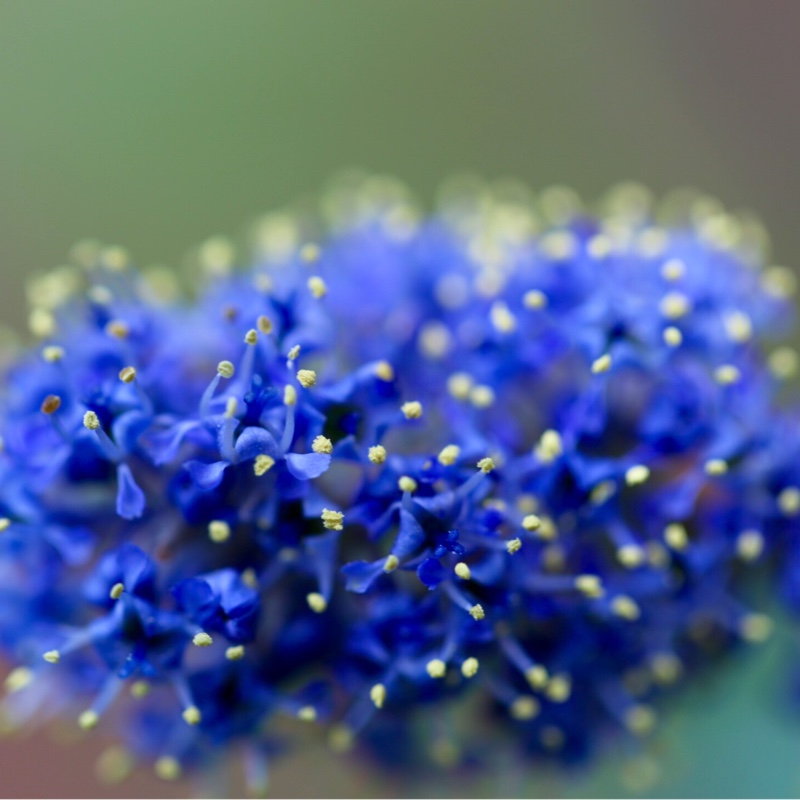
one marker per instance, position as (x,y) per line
(155,124)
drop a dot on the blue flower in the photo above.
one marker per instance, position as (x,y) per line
(509,451)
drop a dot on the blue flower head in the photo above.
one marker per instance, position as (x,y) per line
(515,450)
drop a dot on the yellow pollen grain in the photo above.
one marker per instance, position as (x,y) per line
(789,501)
(53,354)
(140,689)
(317,287)
(202,639)
(436,668)
(18,679)
(524,708)
(116,591)
(5,524)
(486,465)
(251,337)
(631,556)
(502,318)
(114,765)
(549,447)
(626,607)
(674,305)
(127,374)
(91,421)
(637,474)
(749,545)
(322,444)
(469,669)
(306,378)
(783,362)
(602,364)
(462,571)
(673,270)
(449,455)
(589,585)
(715,466)
(310,253)
(534,300)
(476,612)
(191,715)
(407,484)
(412,409)
(293,353)
(459,385)
(738,327)
(117,329)
(316,602)
(559,688)
(537,677)
(88,719)
(289,395)
(513,546)
(755,628)
(672,336)
(640,719)
(727,375)
(332,519)
(481,396)
(219,531)
(263,464)
(675,536)
(377,454)
(385,371)
(167,768)
(52,656)
(225,369)
(378,695)
(391,564)
(531,523)
(235,653)
(264,325)
(231,406)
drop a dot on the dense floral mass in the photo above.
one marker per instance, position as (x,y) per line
(515,452)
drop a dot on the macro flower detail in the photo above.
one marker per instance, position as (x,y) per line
(515,450)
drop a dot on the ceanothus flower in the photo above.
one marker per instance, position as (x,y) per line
(515,451)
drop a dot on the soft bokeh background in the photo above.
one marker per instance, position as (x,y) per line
(157,123)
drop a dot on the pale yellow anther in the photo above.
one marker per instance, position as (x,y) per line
(524,708)
(559,688)
(602,491)
(675,536)
(377,454)
(391,564)
(306,378)
(502,318)
(191,715)
(322,444)
(91,421)
(289,395)
(264,325)
(673,270)
(231,407)
(412,409)
(476,612)
(738,327)
(631,556)
(385,371)
(53,354)
(88,719)
(167,768)
(626,607)
(251,337)
(407,484)
(52,656)
(378,695)
(250,578)
(219,531)
(486,465)
(675,305)
(332,520)
(599,246)
(780,282)
(513,545)
(316,602)
(340,739)
(469,669)
(436,668)
(140,689)
(715,466)
(666,668)
(117,329)
(657,555)
(114,765)
(672,336)
(235,652)
(116,591)
(263,464)
(5,524)
(310,252)
(749,545)
(637,474)
(602,364)
(640,719)
(293,353)
(537,676)
(481,396)
(18,679)
(727,375)
(449,455)
(755,628)
(783,362)
(202,639)
(534,300)
(317,287)
(550,447)
(531,523)
(459,385)
(225,369)
(589,585)
(789,501)
(462,571)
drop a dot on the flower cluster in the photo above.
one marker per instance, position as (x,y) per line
(515,452)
